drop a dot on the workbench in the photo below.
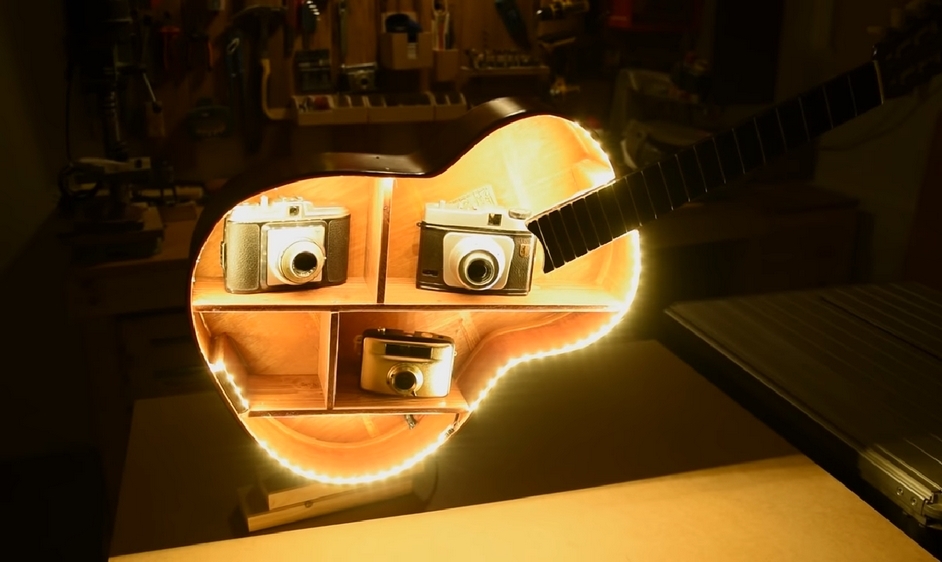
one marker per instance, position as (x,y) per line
(674,470)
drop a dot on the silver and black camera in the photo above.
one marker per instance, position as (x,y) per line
(404,363)
(482,250)
(289,243)
(358,78)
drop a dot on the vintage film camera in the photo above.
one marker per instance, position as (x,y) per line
(483,250)
(401,363)
(358,78)
(289,243)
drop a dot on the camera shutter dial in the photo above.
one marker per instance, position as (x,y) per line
(301,262)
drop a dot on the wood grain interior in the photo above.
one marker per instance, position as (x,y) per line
(348,457)
(283,343)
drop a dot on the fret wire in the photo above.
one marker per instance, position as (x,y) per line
(709,161)
(550,244)
(534,227)
(616,219)
(594,206)
(586,223)
(656,189)
(748,145)
(690,171)
(574,230)
(792,123)
(554,243)
(804,118)
(565,241)
(727,151)
(626,203)
(770,134)
(674,180)
(816,113)
(642,201)
(840,100)
(759,137)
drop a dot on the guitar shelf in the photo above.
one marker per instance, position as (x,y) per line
(295,354)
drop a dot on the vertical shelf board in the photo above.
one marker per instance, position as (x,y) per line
(204,339)
(378,236)
(327,356)
(356,193)
(351,446)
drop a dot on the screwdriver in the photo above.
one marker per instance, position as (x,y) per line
(309,15)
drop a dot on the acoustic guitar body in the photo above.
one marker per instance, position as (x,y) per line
(288,363)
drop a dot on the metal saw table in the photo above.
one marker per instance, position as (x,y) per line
(850,375)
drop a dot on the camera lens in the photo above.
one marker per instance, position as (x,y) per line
(304,263)
(478,269)
(404,381)
(301,262)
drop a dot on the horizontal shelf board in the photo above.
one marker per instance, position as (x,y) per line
(210,295)
(267,393)
(546,295)
(351,398)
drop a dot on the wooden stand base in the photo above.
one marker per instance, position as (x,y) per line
(279,500)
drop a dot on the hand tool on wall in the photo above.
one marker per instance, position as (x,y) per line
(562,9)
(309,16)
(313,71)
(235,70)
(265,17)
(291,23)
(207,120)
(513,21)
(342,16)
(203,39)
(168,33)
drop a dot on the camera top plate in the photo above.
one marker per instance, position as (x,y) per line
(284,208)
(490,218)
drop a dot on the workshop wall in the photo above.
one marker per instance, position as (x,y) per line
(183,79)
(46,407)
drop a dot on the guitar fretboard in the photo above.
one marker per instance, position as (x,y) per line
(580,225)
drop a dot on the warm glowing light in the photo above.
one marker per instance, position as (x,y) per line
(218,368)
(577,345)
(237,390)
(364,479)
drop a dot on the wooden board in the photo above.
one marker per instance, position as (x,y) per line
(779,509)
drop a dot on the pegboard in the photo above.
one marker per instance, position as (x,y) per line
(185,77)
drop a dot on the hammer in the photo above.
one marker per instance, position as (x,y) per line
(265,15)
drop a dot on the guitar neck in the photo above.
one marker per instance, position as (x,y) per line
(591,220)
